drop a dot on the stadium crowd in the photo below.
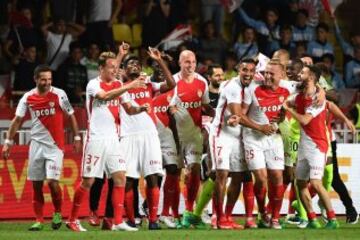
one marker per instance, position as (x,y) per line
(257,107)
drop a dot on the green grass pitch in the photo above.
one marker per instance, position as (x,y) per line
(18,230)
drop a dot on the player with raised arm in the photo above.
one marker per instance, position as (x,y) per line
(46,105)
(191,98)
(139,136)
(102,151)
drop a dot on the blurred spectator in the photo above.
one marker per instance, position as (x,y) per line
(72,76)
(321,45)
(58,40)
(313,7)
(23,34)
(24,70)
(300,50)
(102,14)
(248,48)
(352,71)
(268,30)
(333,78)
(37,8)
(230,66)
(63,9)
(155,21)
(213,10)
(181,15)
(290,14)
(5,64)
(211,44)
(284,42)
(301,31)
(203,65)
(91,61)
(347,47)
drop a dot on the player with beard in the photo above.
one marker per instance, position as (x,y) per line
(313,146)
(139,136)
(47,105)
(225,144)
(215,76)
(264,155)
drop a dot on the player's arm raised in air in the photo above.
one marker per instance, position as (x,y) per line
(169,83)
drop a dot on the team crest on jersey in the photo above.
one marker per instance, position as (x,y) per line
(88,169)
(281,99)
(168,98)
(199,93)
(51,104)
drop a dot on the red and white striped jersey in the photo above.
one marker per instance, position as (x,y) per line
(103,116)
(46,115)
(315,133)
(144,121)
(264,103)
(230,92)
(189,98)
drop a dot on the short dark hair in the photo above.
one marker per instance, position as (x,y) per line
(303,11)
(246,60)
(316,71)
(322,25)
(210,70)
(128,58)
(74,45)
(285,27)
(328,56)
(41,68)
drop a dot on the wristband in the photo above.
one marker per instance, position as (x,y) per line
(9,142)
(77,138)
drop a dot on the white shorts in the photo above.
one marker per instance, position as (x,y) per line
(168,148)
(45,162)
(227,153)
(264,151)
(310,164)
(102,155)
(191,149)
(142,153)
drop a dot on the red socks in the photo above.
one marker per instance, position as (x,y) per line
(278,196)
(330,215)
(260,194)
(129,205)
(248,194)
(152,198)
(117,197)
(56,197)
(38,204)
(176,197)
(78,198)
(192,188)
(169,193)
(311,216)
(228,210)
